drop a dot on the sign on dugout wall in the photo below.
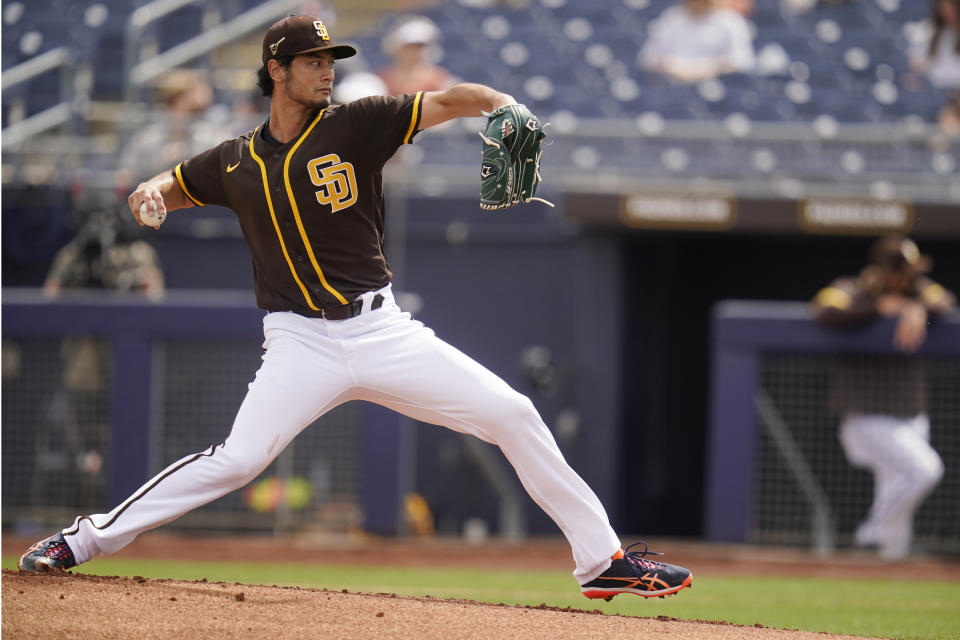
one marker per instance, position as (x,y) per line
(717,211)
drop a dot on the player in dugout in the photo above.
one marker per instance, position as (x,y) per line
(882,400)
(307,188)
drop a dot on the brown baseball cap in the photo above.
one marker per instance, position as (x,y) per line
(294,35)
(899,253)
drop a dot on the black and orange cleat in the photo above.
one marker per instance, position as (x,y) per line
(631,572)
(48,554)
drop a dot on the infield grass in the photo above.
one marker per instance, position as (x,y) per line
(896,608)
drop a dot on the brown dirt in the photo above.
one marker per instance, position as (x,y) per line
(78,605)
(61,606)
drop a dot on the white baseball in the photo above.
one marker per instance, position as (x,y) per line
(151,216)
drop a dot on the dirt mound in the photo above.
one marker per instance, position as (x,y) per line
(75,605)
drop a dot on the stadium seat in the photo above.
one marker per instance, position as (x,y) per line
(578,57)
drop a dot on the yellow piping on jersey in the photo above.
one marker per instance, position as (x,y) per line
(184,186)
(413,117)
(834,297)
(273,216)
(933,293)
(296,211)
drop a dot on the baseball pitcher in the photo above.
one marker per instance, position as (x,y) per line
(306,186)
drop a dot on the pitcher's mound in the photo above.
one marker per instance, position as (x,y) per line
(75,605)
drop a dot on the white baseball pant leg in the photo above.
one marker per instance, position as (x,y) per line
(405,367)
(905,469)
(295,384)
(381,356)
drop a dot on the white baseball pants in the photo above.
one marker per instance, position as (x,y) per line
(310,366)
(905,469)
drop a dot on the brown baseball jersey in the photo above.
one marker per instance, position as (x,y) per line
(311,209)
(888,385)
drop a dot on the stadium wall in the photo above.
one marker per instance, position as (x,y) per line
(622,310)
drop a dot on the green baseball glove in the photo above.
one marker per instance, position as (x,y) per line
(510,172)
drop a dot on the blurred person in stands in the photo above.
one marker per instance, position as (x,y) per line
(187,124)
(935,55)
(410,47)
(355,80)
(882,400)
(698,39)
(949,121)
(73,436)
(743,7)
(358,84)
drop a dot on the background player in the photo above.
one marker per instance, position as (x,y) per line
(307,189)
(883,400)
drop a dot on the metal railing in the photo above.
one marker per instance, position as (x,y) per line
(822,529)
(139,74)
(133,35)
(899,160)
(60,58)
(444,157)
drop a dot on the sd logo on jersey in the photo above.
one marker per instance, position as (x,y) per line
(336,179)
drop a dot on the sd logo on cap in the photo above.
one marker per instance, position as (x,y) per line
(294,35)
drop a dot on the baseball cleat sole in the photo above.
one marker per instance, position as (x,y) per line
(38,565)
(50,554)
(608,594)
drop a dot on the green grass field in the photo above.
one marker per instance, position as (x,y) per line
(878,608)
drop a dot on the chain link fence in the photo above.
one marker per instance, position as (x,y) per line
(57,426)
(784,505)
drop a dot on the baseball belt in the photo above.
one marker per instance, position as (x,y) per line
(351,310)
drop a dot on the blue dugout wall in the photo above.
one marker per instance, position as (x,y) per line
(491,285)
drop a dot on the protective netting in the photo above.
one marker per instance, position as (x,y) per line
(797,388)
(56,436)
